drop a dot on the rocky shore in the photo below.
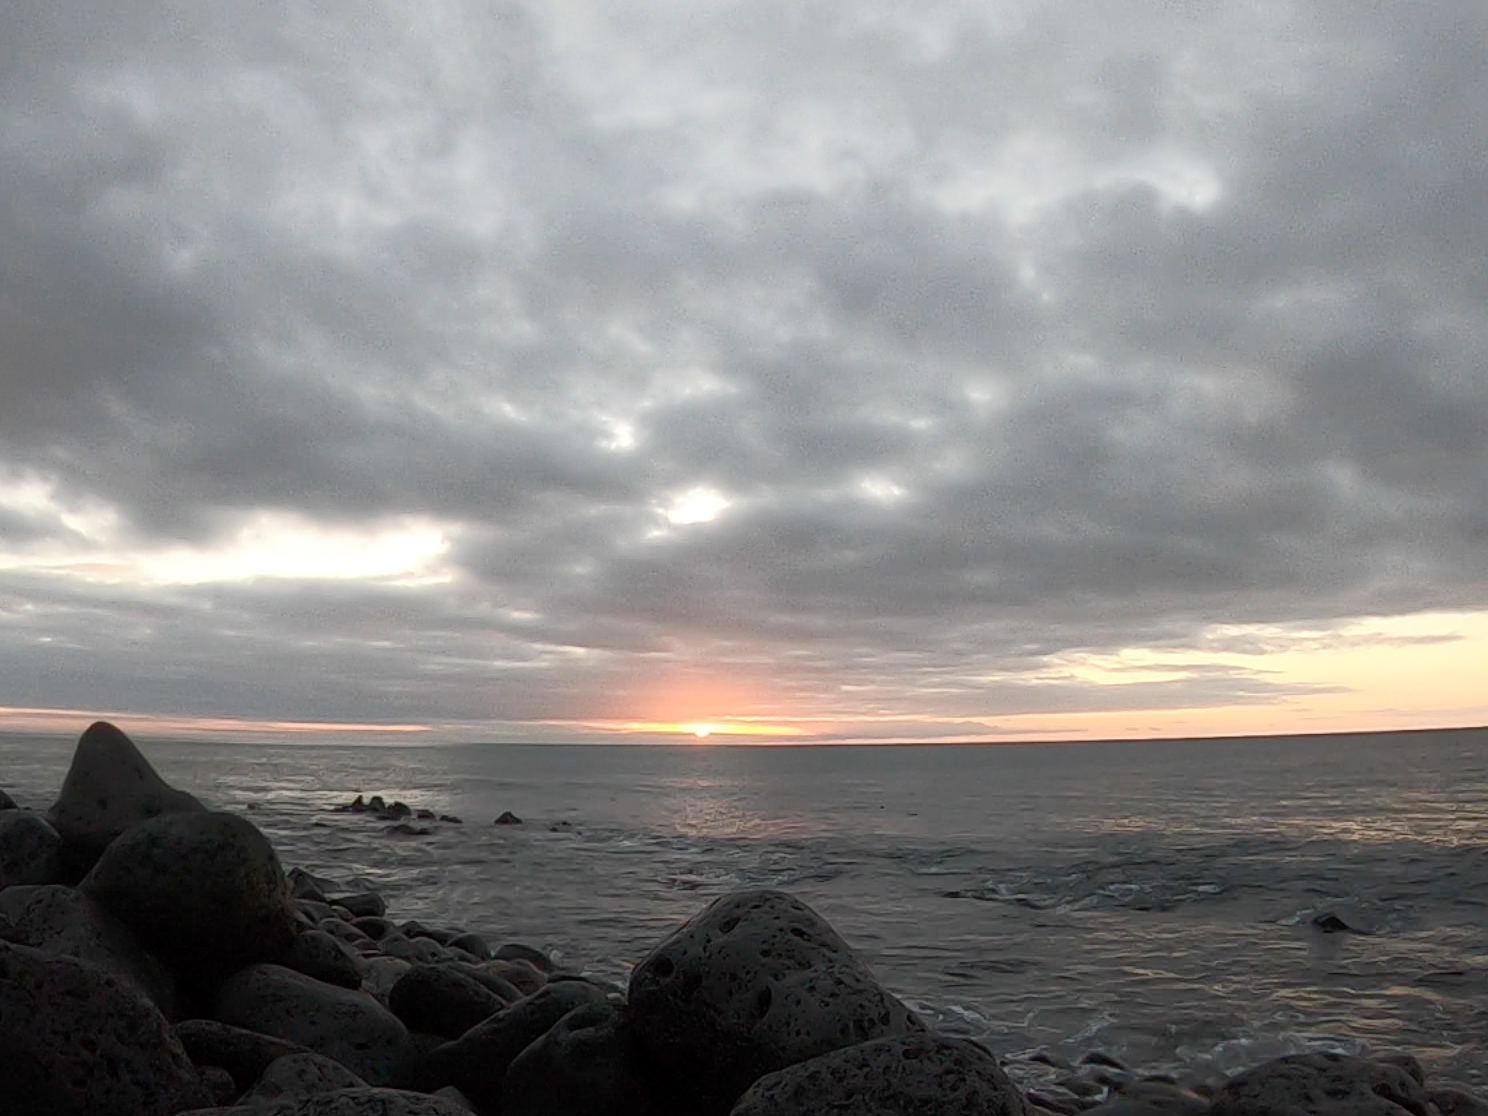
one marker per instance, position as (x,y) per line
(156,959)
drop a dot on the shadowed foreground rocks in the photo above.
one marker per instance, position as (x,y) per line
(156,960)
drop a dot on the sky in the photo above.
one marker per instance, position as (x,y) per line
(763,370)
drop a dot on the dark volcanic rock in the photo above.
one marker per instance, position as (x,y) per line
(1321,1085)
(302,885)
(351,1027)
(476,1062)
(317,954)
(30,850)
(1451,1100)
(301,1075)
(347,1102)
(508,818)
(756,982)
(60,920)
(582,1066)
(243,1054)
(516,951)
(472,944)
(364,904)
(203,891)
(77,1041)
(110,787)
(924,1074)
(219,1084)
(441,1000)
(522,976)
(6,802)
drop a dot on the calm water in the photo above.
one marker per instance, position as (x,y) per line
(1150,900)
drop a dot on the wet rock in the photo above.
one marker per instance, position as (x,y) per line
(1321,1085)
(520,975)
(1329,922)
(451,819)
(302,885)
(477,1061)
(349,1026)
(583,1064)
(1408,1062)
(516,951)
(363,904)
(301,1075)
(406,829)
(324,957)
(756,982)
(110,787)
(30,850)
(242,1053)
(78,1041)
(1153,1098)
(375,927)
(61,921)
(1451,1100)
(907,1074)
(425,815)
(415,929)
(397,810)
(441,1000)
(346,1102)
(205,892)
(1060,1104)
(473,944)
(1101,1058)
(315,911)
(507,818)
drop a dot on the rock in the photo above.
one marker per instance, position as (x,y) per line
(244,1054)
(300,1075)
(324,957)
(341,930)
(315,911)
(471,943)
(405,829)
(425,951)
(1452,1100)
(416,929)
(516,951)
(397,810)
(507,992)
(61,921)
(110,787)
(362,905)
(349,1026)
(6,802)
(450,1093)
(219,1084)
(441,1000)
(78,1041)
(425,815)
(507,818)
(900,1076)
(476,1062)
(1408,1062)
(1321,1085)
(1101,1058)
(375,927)
(30,850)
(1330,923)
(346,1102)
(381,974)
(451,819)
(1159,1096)
(520,975)
(203,891)
(302,885)
(756,982)
(582,1065)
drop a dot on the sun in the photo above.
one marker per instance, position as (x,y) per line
(700,731)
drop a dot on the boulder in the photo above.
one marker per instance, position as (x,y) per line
(520,975)
(441,1000)
(531,955)
(582,1066)
(421,951)
(78,1041)
(301,1075)
(756,982)
(303,885)
(346,1102)
(204,891)
(477,1061)
(30,850)
(244,1054)
(1321,1085)
(381,974)
(59,920)
(472,944)
(110,787)
(349,1026)
(6,802)
(1452,1100)
(219,1084)
(906,1075)
(364,904)
(324,957)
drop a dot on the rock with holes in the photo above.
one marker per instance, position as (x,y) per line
(477,1061)
(349,1026)
(77,1041)
(60,920)
(583,1064)
(30,850)
(756,982)
(346,1102)
(1321,1085)
(205,892)
(924,1074)
(110,787)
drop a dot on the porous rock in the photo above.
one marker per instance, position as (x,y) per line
(78,1041)
(349,1026)
(300,1075)
(924,1074)
(204,891)
(324,957)
(477,1061)
(346,1102)
(109,787)
(442,1000)
(755,982)
(61,920)
(244,1054)
(1321,1085)
(582,1064)
(30,850)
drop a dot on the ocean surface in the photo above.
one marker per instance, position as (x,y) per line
(1154,901)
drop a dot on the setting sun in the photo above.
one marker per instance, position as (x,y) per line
(700,731)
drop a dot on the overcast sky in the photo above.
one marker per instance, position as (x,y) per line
(579,368)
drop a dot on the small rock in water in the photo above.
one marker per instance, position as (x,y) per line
(508,818)
(1101,1058)
(406,829)
(302,885)
(425,815)
(1330,923)
(451,819)
(375,927)
(1321,1085)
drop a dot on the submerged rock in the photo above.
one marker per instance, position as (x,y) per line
(110,787)
(756,982)
(1321,1085)
(507,818)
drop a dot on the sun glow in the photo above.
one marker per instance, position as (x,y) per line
(700,731)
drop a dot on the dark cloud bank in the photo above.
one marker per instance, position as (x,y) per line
(1006,341)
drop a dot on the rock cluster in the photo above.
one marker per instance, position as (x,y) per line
(156,959)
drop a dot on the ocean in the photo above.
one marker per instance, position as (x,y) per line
(1154,901)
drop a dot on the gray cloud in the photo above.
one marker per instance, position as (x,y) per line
(1007,339)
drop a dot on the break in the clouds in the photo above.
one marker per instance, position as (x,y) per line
(534,367)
